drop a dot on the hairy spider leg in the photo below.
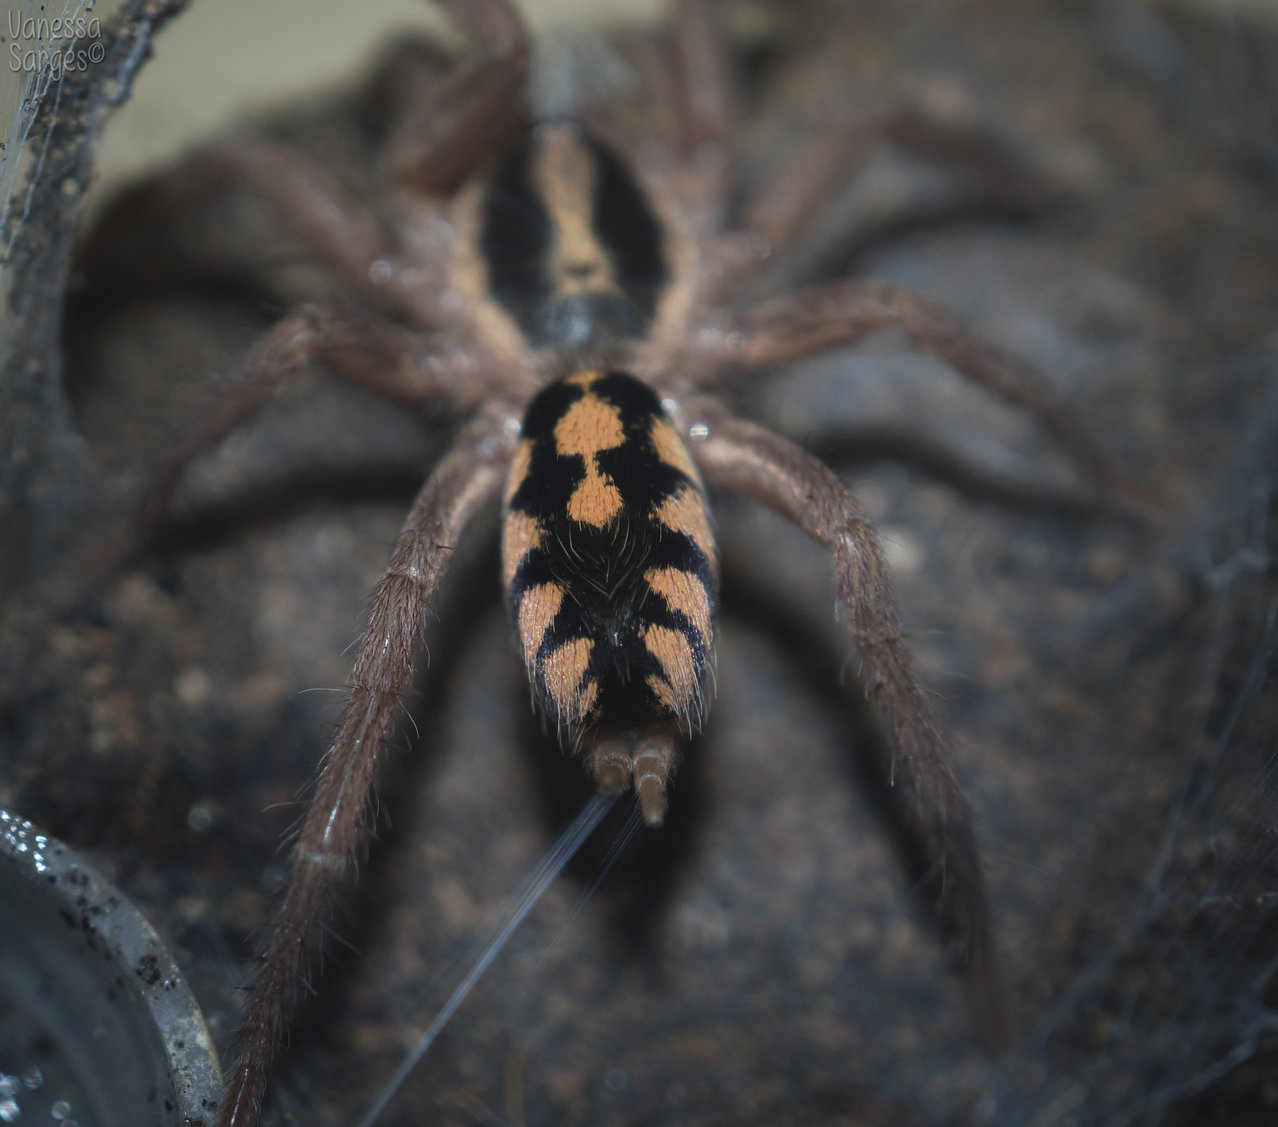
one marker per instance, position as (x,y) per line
(362,346)
(466,483)
(745,458)
(842,312)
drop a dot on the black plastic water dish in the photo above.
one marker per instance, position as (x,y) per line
(97,1026)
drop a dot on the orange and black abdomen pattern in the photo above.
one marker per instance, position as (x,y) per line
(608,559)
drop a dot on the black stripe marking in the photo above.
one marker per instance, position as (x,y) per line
(515,237)
(627,226)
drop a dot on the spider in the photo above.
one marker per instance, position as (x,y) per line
(569,283)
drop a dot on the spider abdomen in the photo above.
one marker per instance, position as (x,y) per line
(608,560)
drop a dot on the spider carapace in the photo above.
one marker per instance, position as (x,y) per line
(607,556)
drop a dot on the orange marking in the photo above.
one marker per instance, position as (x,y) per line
(589,426)
(520,534)
(596,500)
(672,651)
(686,512)
(683,592)
(519,467)
(564,171)
(670,448)
(537,610)
(564,672)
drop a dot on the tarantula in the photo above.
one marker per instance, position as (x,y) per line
(568,283)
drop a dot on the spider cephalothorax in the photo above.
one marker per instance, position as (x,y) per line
(569,286)
(571,247)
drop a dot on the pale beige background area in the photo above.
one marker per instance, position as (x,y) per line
(224,59)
